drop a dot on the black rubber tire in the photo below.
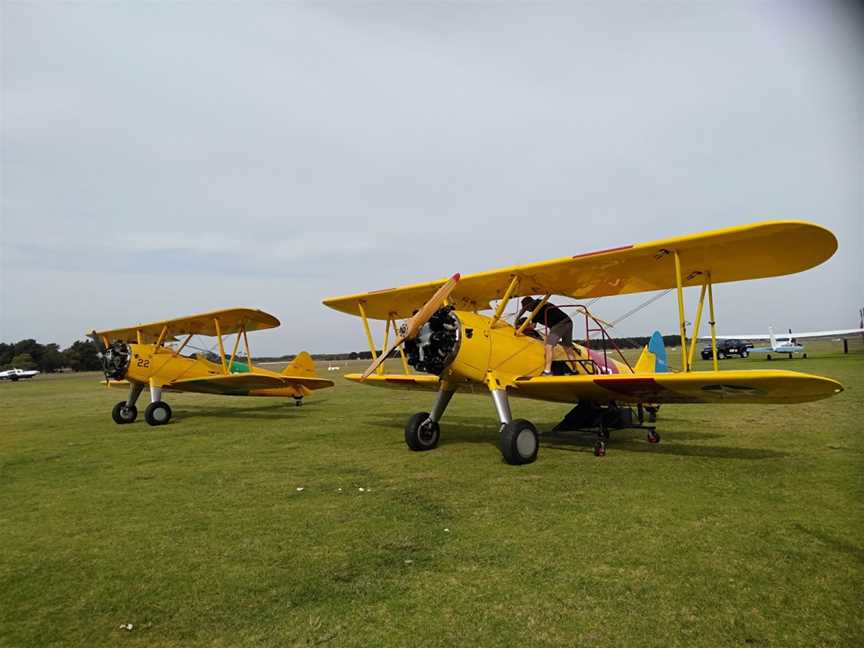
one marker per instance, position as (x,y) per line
(653,437)
(520,442)
(599,448)
(768,356)
(804,355)
(122,414)
(298,401)
(158,413)
(421,434)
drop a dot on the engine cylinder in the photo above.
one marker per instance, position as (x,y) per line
(115,361)
(437,343)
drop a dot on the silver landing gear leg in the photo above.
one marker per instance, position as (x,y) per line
(135,390)
(441,403)
(423,431)
(157,412)
(502,406)
(125,411)
(519,439)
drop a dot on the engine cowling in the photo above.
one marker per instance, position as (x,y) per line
(437,343)
(115,360)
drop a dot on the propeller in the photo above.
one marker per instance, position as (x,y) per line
(413,325)
(100,350)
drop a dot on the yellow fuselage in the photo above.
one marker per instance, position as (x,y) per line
(493,350)
(160,366)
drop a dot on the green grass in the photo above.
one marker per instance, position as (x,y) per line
(745,526)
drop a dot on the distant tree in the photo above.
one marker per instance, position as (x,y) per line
(23,361)
(30,347)
(82,356)
(6,353)
(52,359)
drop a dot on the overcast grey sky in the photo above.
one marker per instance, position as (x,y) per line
(160,159)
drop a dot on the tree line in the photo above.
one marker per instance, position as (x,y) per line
(82,355)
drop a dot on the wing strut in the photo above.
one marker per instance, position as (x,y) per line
(234,350)
(696,323)
(533,314)
(221,346)
(367,329)
(248,351)
(712,321)
(502,304)
(682,325)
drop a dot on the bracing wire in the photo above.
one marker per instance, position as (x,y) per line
(639,307)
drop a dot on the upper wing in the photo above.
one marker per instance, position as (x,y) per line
(230,321)
(806,335)
(239,384)
(695,387)
(746,252)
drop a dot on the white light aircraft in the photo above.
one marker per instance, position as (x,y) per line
(17,374)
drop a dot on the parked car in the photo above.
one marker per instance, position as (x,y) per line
(727,348)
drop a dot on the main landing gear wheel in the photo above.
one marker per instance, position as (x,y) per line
(653,437)
(599,448)
(422,433)
(519,442)
(123,413)
(158,413)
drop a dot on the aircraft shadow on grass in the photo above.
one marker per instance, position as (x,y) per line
(269,412)
(838,545)
(477,429)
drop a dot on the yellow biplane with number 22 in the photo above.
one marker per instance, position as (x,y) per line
(458,348)
(142,356)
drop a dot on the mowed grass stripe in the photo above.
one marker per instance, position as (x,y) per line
(743,527)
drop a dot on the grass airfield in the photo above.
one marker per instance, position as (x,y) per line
(745,526)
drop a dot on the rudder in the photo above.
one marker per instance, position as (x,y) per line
(302,365)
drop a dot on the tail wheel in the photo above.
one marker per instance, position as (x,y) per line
(123,413)
(653,437)
(298,401)
(519,442)
(422,433)
(158,413)
(599,448)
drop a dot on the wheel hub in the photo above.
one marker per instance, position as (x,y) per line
(526,443)
(426,432)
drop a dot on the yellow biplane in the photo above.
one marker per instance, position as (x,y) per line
(457,348)
(151,355)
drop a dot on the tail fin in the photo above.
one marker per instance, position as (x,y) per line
(656,346)
(302,365)
(653,358)
(771,337)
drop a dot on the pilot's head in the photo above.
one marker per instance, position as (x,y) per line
(529,302)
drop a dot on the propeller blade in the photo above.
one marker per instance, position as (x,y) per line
(415,323)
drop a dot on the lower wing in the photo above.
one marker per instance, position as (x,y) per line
(241,384)
(694,387)
(424,382)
